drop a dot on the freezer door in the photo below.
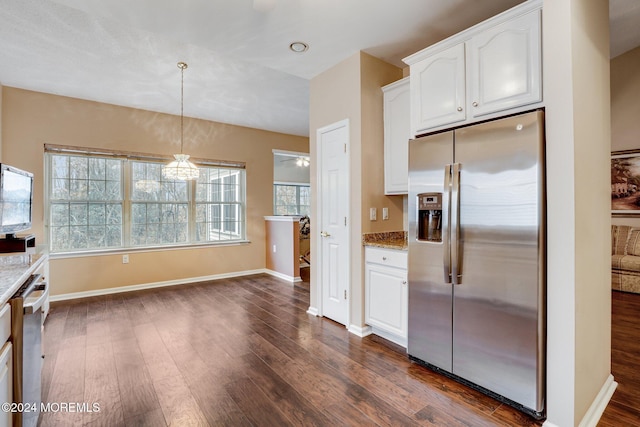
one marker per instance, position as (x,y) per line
(430,297)
(498,322)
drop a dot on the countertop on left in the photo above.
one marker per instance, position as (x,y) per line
(15,268)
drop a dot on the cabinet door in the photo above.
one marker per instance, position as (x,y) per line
(438,90)
(386,299)
(504,65)
(397,131)
(6,382)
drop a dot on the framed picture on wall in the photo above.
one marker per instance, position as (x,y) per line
(625,183)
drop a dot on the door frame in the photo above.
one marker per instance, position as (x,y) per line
(318,214)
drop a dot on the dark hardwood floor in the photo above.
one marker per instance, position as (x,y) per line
(624,408)
(244,351)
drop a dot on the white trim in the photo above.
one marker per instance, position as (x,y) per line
(318,213)
(395,84)
(467,34)
(124,251)
(283,276)
(361,331)
(549,424)
(401,341)
(107,291)
(275,151)
(599,404)
(312,311)
(284,218)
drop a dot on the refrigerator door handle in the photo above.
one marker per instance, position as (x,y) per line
(456,275)
(446,232)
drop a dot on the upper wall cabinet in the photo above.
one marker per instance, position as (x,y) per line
(505,65)
(491,69)
(397,131)
(438,83)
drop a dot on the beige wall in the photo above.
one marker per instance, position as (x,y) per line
(625,101)
(284,236)
(31,119)
(1,123)
(376,73)
(351,90)
(625,109)
(576,91)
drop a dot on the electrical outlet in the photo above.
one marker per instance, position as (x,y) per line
(274,249)
(385,214)
(125,259)
(373,214)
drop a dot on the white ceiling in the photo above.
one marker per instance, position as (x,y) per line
(240,68)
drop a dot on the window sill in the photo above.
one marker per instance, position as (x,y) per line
(119,251)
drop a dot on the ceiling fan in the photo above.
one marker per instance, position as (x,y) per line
(301,161)
(264,5)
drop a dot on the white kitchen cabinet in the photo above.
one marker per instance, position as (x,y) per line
(6,364)
(438,89)
(505,65)
(386,293)
(491,69)
(397,132)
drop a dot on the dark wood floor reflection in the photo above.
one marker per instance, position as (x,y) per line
(239,352)
(624,408)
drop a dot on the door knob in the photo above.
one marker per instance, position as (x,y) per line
(325,234)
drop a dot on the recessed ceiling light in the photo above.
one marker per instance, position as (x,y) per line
(299,47)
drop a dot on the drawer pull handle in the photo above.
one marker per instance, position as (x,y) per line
(384,258)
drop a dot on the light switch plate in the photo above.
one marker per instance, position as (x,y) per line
(385,214)
(373,214)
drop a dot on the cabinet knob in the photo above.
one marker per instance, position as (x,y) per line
(404,282)
(475,104)
(459,108)
(384,258)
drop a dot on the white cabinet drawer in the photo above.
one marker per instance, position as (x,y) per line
(389,257)
(5,323)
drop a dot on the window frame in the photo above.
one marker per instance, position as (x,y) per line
(127,182)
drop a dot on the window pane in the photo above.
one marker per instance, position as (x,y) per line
(79,216)
(291,199)
(86,205)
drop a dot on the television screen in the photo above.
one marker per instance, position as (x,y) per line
(16,198)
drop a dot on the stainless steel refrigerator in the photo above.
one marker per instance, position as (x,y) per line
(477,257)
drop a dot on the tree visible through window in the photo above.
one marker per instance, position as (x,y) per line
(99,202)
(291,199)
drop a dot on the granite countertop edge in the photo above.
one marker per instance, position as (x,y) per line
(387,240)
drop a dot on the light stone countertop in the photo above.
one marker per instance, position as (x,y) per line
(387,240)
(15,268)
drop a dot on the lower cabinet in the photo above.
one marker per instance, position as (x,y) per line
(386,293)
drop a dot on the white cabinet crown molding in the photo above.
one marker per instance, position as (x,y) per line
(465,35)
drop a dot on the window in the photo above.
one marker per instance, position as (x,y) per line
(291,199)
(97,202)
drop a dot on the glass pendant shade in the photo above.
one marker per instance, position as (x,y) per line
(180,169)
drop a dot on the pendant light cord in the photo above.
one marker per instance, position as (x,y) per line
(183,66)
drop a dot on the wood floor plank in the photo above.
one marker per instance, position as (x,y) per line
(178,405)
(244,352)
(100,369)
(260,410)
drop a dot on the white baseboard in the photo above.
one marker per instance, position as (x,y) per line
(401,341)
(107,291)
(361,331)
(597,407)
(283,276)
(313,311)
(599,404)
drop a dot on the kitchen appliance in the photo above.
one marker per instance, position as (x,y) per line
(477,257)
(26,332)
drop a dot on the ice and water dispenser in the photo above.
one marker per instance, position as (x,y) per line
(430,217)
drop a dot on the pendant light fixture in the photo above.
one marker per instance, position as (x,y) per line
(181,168)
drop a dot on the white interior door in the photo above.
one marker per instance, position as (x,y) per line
(333,202)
